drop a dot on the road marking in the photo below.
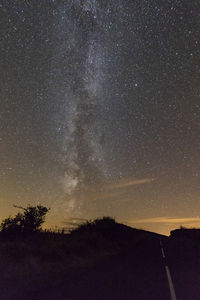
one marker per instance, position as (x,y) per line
(169,278)
(171,286)
(163,253)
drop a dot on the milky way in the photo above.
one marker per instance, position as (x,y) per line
(78,59)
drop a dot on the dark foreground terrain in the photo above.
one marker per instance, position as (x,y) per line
(104,260)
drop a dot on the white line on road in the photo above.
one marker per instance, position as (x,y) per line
(169,278)
(171,286)
(163,253)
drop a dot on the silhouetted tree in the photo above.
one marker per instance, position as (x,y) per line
(28,222)
(12,225)
(34,217)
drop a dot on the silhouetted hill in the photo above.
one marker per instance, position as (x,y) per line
(191,233)
(111,231)
(99,260)
(48,264)
(182,250)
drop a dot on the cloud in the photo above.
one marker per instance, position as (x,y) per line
(116,191)
(71,223)
(167,220)
(130,182)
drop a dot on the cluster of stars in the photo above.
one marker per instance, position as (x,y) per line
(95,93)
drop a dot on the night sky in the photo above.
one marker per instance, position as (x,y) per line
(100,110)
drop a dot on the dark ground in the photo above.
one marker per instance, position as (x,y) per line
(138,274)
(183,258)
(135,270)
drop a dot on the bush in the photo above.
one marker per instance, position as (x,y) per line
(12,225)
(28,222)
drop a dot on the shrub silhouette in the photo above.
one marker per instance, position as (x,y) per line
(27,222)
(12,225)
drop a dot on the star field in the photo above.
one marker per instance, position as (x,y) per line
(99,109)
